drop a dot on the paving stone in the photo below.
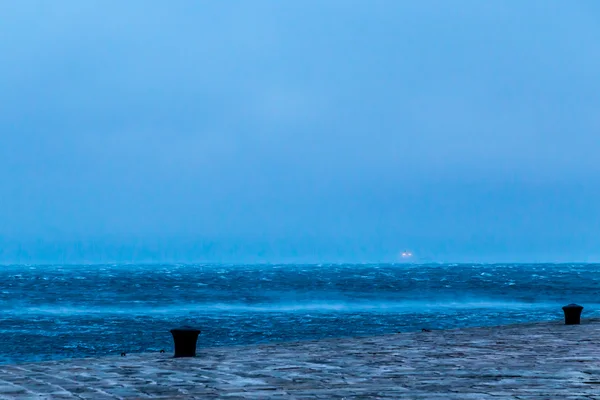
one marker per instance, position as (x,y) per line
(528,361)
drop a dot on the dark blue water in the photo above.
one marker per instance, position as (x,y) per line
(50,312)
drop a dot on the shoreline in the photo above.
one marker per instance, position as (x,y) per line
(278,343)
(525,360)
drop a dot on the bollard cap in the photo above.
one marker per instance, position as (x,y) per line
(185,329)
(572,307)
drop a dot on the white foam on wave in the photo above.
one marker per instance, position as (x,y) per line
(404,307)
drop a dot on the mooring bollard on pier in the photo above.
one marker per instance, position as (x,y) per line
(572,314)
(185,339)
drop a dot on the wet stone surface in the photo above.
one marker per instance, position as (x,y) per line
(530,361)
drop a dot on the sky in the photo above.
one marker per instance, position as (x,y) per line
(299,131)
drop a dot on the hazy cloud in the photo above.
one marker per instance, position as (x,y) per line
(301,130)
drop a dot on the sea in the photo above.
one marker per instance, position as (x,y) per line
(50,312)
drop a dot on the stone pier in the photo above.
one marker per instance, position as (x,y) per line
(530,361)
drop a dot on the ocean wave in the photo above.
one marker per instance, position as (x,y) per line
(405,307)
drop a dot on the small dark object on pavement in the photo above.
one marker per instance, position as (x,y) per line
(572,314)
(123,354)
(185,339)
(425,330)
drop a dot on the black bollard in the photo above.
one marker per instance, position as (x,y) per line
(185,339)
(572,314)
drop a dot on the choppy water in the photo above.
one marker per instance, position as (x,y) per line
(49,312)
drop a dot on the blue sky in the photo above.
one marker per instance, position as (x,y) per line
(299,131)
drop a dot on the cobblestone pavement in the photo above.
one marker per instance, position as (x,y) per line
(530,361)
